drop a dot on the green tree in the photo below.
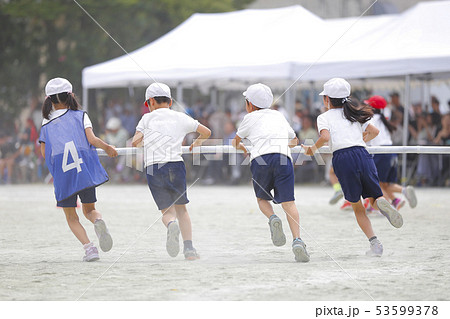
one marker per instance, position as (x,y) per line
(41,39)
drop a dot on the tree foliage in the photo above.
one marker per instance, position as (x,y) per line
(41,39)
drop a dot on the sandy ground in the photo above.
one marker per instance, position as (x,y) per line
(40,259)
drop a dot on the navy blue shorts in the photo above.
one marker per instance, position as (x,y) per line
(87,196)
(167,183)
(387,166)
(357,174)
(273,172)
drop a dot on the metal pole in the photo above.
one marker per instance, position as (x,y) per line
(214,97)
(405,124)
(86,99)
(180,92)
(226,149)
(289,101)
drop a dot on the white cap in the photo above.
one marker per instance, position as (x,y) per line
(336,88)
(259,95)
(57,85)
(157,89)
(113,124)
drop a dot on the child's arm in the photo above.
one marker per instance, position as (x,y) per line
(96,142)
(293,142)
(43,150)
(137,139)
(323,138)
(236,142)
(204,132)
(370,133)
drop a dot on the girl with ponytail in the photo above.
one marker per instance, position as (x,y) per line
(68,145)
(387,164)
(345,126)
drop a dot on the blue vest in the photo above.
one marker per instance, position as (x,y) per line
(72,161)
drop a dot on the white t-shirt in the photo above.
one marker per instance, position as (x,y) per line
(384,137)
(57,113)
(164,131)
(268,132)
(343,132)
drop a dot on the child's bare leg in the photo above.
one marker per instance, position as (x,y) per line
(333,177)
(394,188)
(185,222)
(386,191)
(169,215)
(292,217)
(266,207)
(90,212)
(362,219)
(75,226)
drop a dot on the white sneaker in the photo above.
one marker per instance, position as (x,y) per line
(91,252)
(390,212)
(173,239)
(410,195)
(299,250)
(104,238)
(276,231)
(376,249)
(336,197)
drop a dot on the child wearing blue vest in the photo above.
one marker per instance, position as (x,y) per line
(345,127)
(162,132)
(271,138)
(68,145)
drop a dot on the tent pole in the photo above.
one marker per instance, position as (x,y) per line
(214,97)
(85,99)
(180,93)
(405,124)
(289,101)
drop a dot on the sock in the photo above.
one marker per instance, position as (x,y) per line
(188,244)
(337,187)
(272,217)
(372,238)
(88,245)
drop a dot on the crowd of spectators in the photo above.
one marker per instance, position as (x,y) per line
(21,161)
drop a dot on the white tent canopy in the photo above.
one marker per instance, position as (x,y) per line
(415,42)
(281,45)
(244,45)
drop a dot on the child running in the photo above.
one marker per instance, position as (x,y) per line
(346,128)
(271,164)
(387,164)
(162,132)
(68,145)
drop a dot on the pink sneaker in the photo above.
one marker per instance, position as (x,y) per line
(366,203)
(346,206)
(398,203)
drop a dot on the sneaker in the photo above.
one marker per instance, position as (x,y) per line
(336,197)
(299,249)
(366,203)
(390,212)
(276,231)
(173,239)
(376,249)
(91,253)
(102,232)
(398,203)
(410,195)
(191,254)
(346,206)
